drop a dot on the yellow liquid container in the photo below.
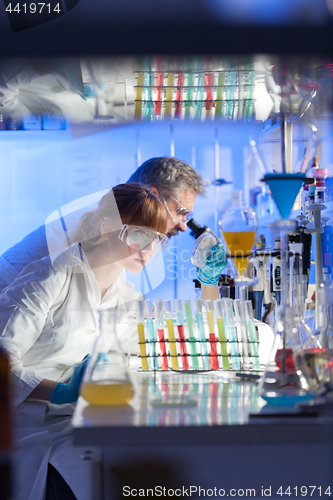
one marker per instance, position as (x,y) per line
(107,394)
(239,243)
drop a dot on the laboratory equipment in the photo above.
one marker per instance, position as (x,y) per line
(213,357)
(238,225)
(158,309)
(171,334)
(142,337)
(181,333)
(106,381)
(198,306)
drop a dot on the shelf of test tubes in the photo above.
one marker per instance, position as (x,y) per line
(198,336)
(198,95)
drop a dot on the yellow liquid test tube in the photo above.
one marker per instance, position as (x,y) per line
(169,95)
(172,342)
(210,321)
(224,352)
(219,96)
(142,344)
(138,98)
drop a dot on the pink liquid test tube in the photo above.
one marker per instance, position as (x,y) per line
(181,333)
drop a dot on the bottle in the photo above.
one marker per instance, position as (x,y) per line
(106,381)
(320,191)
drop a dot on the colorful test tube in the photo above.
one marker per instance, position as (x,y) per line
(181,334)
(252,335)
(189,95)
(169,95)
(249,95)
(138,97)
(200,95)
(213,360)
(149,83)
(209,87)
(219,95)
(201,332)
(151,334)
(223,341)
(230,93)
(158,308)
(179,96)
(158,100)
(142,340)
(171,334)
(232,334)
(193,347)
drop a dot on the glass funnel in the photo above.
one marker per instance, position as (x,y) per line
(106,381)
(238,225)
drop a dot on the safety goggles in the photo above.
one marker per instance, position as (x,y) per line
(183,214)
(140,238)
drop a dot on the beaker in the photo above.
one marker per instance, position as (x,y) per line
(106,381)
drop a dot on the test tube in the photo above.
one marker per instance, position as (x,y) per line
(230,93)
(138,97)
(240,315)
(200,94)
(179,96)
(209,87)
(169,95)
(252,335)
(222,337)
(171,334)
(201,332)
(158,100)
(181,334)
(151,334)
(219,95)
(213,360)
(232,334)
(149,83)
(193,347)
(158,309)
(249,95)
(142,340)
(189,95)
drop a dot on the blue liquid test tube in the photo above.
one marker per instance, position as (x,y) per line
(201,332)
(230,93)
(152,337)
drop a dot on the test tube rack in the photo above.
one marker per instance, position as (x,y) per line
(216,344)
(199,95)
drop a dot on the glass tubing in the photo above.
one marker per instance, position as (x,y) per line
(207,336)
(199,95)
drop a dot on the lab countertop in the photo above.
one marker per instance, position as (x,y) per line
(209,408)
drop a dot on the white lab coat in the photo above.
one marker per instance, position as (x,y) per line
(48,318)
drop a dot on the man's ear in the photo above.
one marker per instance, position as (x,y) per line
(154,190)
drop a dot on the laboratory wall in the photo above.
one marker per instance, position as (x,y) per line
(41,171)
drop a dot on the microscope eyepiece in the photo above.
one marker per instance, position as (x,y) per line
(196,229)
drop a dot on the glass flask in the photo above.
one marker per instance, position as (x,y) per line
(106,381)
(283,382)
(238,225)
(316,356)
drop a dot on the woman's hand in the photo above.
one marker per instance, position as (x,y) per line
(69,392)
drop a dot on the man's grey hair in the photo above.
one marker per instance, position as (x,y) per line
(169,176)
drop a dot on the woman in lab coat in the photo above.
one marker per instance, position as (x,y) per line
(48,318)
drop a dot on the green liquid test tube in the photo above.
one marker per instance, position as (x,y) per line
(189,95)
(193,347)
(219,96)
(232,334)
(169,95)
(252,336)
(223,343)
(230,93)
(200,94)
(201,331)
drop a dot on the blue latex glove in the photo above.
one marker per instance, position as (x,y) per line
(215,263)
(69,392)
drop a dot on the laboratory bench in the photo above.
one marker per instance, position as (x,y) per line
(208,430)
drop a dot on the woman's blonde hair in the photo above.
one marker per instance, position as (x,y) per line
(135,204)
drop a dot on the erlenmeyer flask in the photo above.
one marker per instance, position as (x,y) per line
(106,381)
(282,382)
(317,349)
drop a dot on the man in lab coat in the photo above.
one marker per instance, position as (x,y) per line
(173,181)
